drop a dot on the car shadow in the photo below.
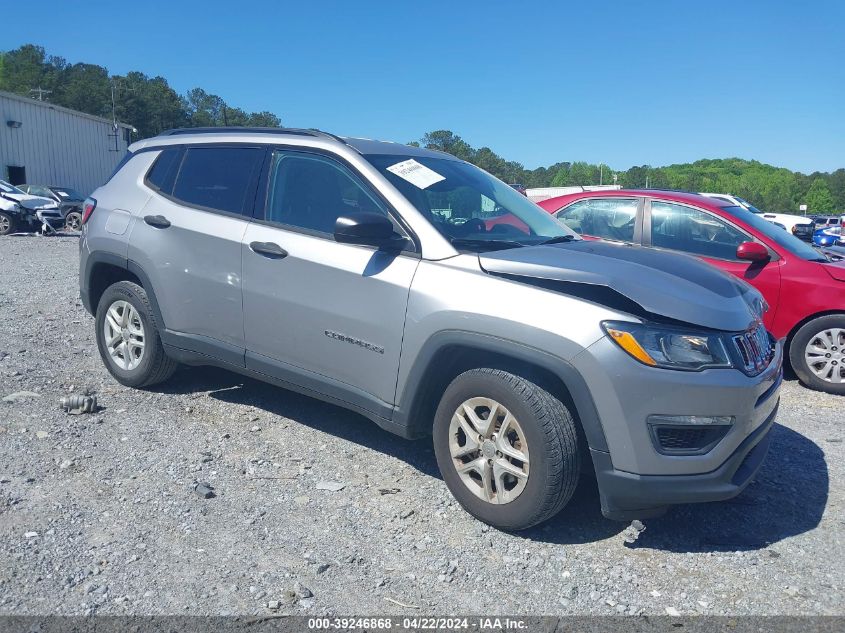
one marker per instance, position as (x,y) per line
(227,386)
(787,498)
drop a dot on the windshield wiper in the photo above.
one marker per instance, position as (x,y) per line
(558,239)
(494,244)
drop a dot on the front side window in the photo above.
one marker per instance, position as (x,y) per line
(309,191)
(219,178)
(782,238)
(607,218)
(468,206)
(681,228)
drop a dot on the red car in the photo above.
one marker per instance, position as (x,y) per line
(805,291)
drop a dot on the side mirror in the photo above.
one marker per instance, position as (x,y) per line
(752,252)
(368,229)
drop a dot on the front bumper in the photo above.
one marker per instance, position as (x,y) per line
(626,496)
(636,477)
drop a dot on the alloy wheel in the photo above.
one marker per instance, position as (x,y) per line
(489,450)
(73,221)
(124,335)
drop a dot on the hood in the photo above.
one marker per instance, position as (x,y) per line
(31,202)
(836,269)
(634,279)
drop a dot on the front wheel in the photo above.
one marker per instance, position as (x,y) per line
(506,447)
(73,221)
(7,224)
(817,354)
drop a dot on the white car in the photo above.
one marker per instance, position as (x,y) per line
(19,209)
(799,225)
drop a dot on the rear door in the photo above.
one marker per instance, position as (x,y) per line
(321,314)
(187,240)
(613,219)
(686,229)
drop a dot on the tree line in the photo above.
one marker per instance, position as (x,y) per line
(769,188)
(147,103)
(151,106)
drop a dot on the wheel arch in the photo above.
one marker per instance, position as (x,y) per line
(805,321)
(104,269)
(449,353)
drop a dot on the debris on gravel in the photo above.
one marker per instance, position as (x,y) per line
(204,490)
(75,504)
(633,531)
(332,486)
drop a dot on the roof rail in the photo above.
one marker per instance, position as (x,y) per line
(247,130)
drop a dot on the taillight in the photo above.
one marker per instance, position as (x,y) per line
(88,208)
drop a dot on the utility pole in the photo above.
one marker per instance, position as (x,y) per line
(115,89)
(601,174)
(40,92)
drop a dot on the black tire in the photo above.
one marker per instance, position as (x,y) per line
(802,368)
(155,365)
(550,433)
(7,224)
(73,221)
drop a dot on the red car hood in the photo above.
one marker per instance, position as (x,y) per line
(836,270)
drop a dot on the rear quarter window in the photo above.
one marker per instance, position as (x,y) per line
(163,172)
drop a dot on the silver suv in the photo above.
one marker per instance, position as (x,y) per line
(430,297)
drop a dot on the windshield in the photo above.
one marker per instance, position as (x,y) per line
(776,234)
(471,208)
(5,187)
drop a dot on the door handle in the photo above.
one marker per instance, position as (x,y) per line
(268,249)
(158,221)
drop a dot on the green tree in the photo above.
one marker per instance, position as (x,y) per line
(449,142)
(818,198)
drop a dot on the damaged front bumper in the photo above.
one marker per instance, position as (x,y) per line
(626,496)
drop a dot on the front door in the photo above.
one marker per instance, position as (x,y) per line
(679,227)
(325,315)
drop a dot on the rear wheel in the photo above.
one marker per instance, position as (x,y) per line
(7,224)
(817,354)
(506,447)
(128,338)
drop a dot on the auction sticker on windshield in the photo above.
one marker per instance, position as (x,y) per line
(416,173)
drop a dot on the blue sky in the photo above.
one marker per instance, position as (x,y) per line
(622,83)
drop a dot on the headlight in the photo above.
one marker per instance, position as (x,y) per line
(671,348)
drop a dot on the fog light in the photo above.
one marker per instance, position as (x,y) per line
(692,420)
(687,434)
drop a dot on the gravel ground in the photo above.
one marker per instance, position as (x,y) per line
(316,510)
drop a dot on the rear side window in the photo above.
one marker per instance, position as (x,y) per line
(219,178)
(163,171)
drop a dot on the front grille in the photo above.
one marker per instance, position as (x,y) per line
(756,349)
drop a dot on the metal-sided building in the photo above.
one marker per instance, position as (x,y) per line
(45,144)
